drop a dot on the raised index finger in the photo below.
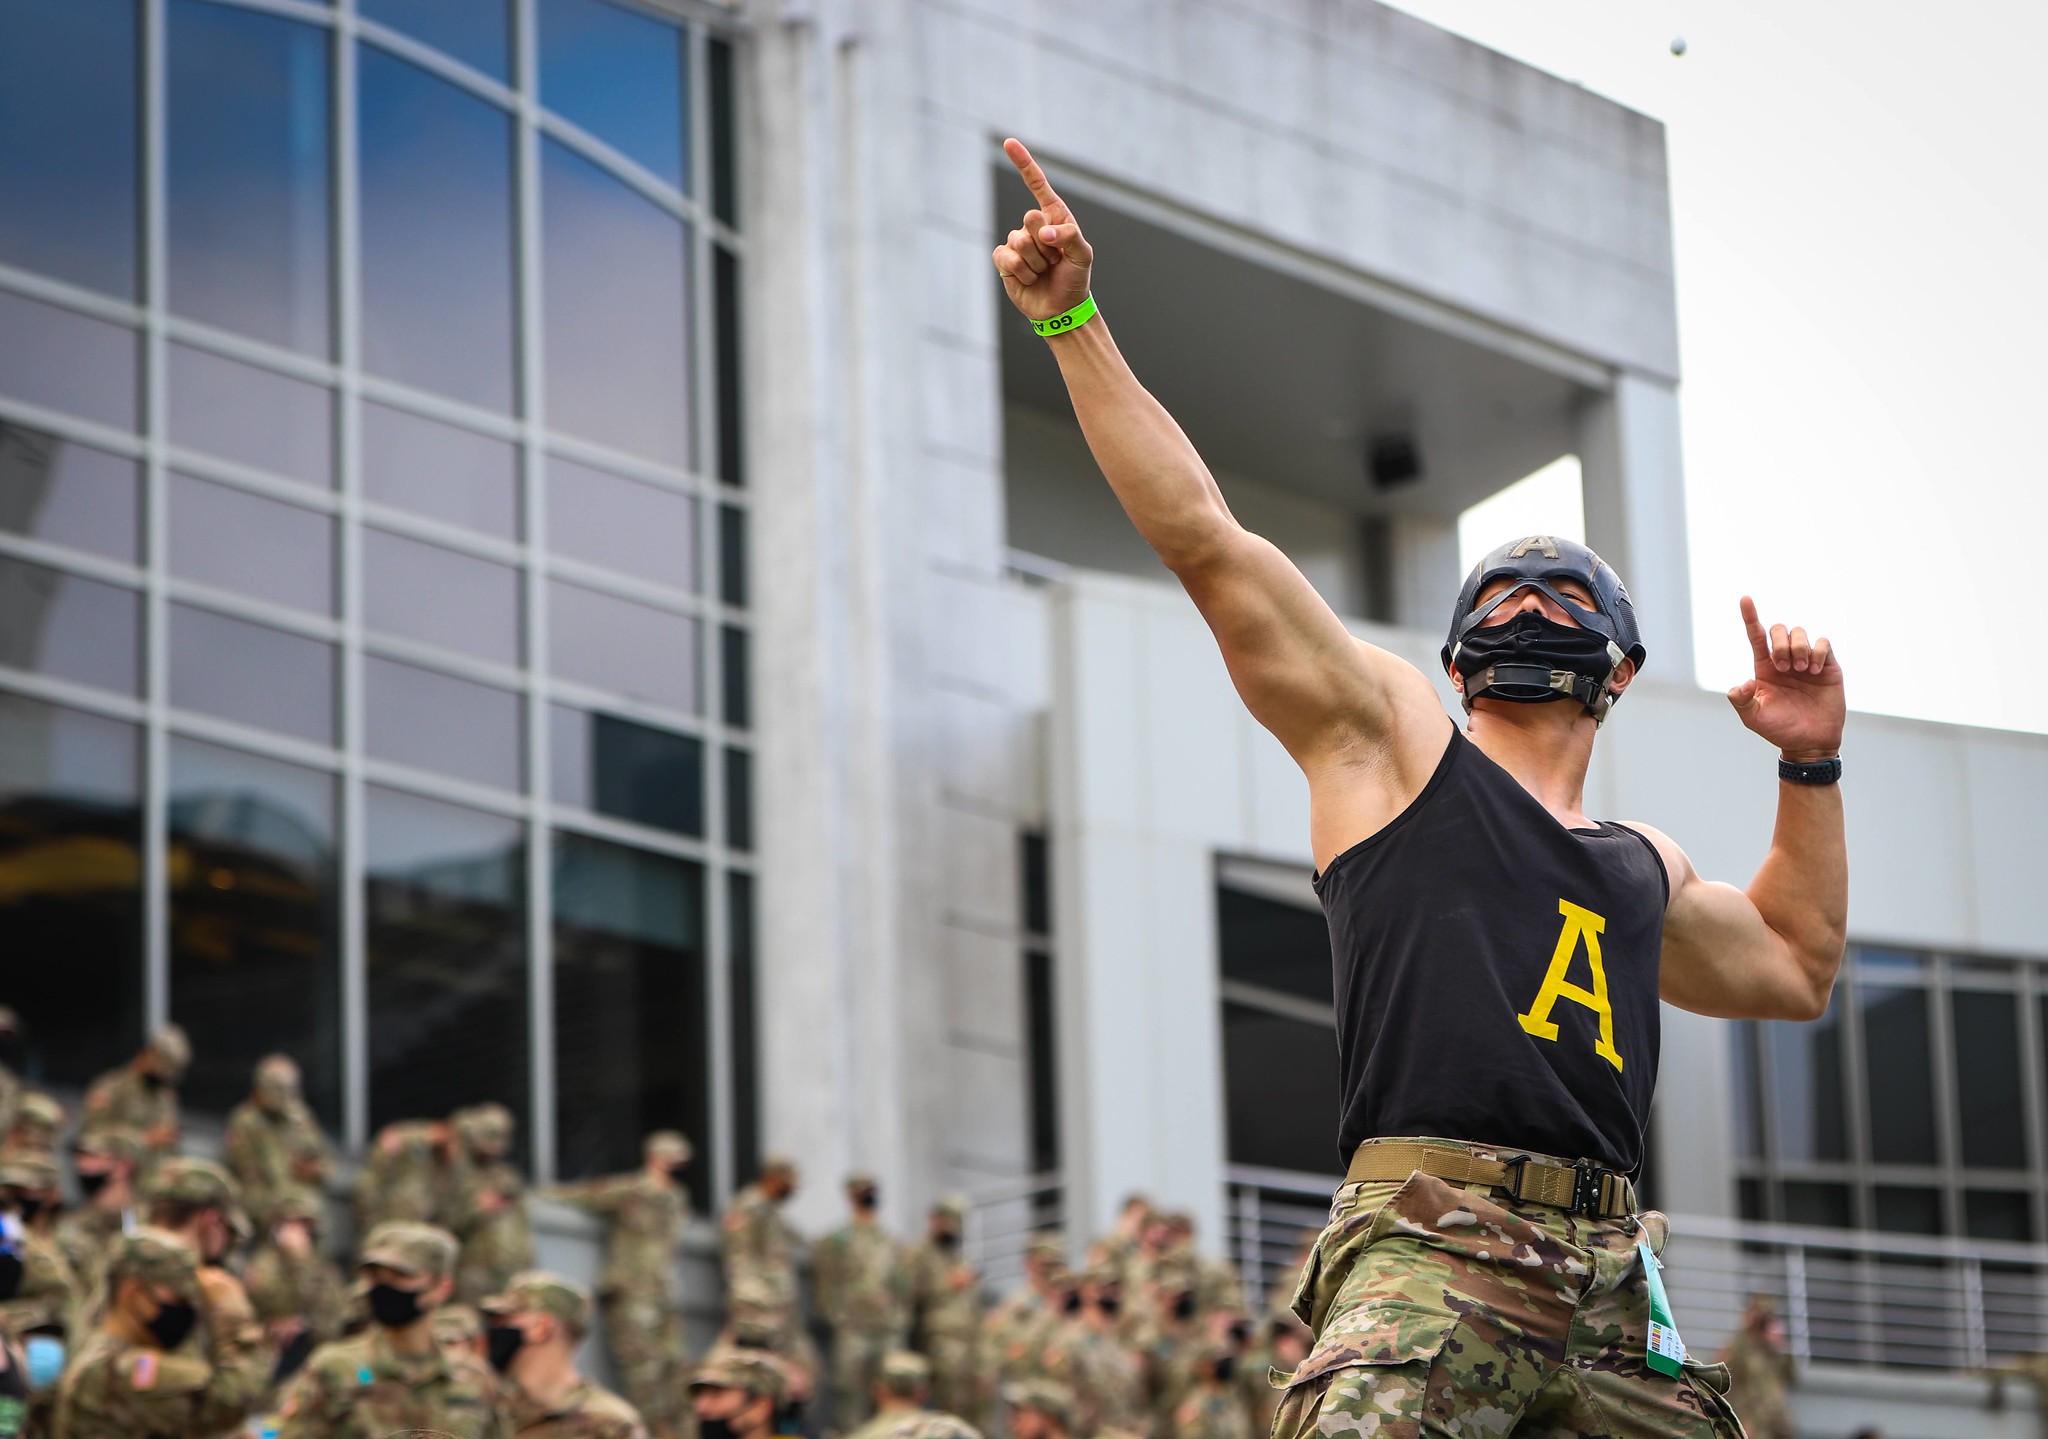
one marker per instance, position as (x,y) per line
(1041,188)
(1759,642)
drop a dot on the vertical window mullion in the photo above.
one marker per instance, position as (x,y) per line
(156,430)
(1857,1104)
(1948,1128)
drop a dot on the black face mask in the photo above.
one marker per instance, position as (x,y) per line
(394,1308)
(1184,1307)
(501,1343)
(30,1208)
(91,1184)
(1226,1369)
(716,1429)
(1072,1303)
(864,1199)
(172,1323)
(155,1080)
(676,1173)
(11,1271)
(1110,1305)
(1527,652)
(947,1240)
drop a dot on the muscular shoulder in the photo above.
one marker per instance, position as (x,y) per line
(1678,870)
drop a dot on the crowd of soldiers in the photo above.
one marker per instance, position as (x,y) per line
(163,1293)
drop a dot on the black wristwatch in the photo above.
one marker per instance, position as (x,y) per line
(1820,771)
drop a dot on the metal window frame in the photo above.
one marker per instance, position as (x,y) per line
(341,373)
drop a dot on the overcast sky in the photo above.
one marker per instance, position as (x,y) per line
(1862,251)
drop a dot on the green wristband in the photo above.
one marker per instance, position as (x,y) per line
(1080,315)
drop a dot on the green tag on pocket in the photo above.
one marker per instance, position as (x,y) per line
(1666,1351)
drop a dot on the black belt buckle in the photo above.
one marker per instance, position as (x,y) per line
(1514,1164)
(1588,1187)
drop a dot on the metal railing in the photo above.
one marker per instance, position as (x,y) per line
(1001,1219)
(1847,1295)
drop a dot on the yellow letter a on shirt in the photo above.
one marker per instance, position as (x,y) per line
(1578,924)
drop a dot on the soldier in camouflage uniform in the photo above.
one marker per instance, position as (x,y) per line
(406,1174)
(1172,1341)
(393,1376)
(1212,1408)
(1040,1409)
(863,1290)
(43,1300)
(738,1393)
(903,1385)
(487,1204)
(38,1120)
(104,1165)
(760,1255)
(1282,1348)
(1760,1371)
(643,1213)
(946,1310)
(274,1145)
(141,1374)
(297,1293)
(1090,1355)
(534,1328)
(142,1095)
(11,1087)
(459,1330)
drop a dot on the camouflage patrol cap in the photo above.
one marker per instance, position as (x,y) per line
(111,1142)
(667,1144)
(297,1202)
(185,1180)
(21,1169)
(483,1124)
(761,1375)
(39,1111)
(905,1373)
(778,1164)
(539,1292)
(156,1257)
(1048,1396)
(410,1247)
(1046,1248)
(171,1048)
(954,1206)
(934,1425)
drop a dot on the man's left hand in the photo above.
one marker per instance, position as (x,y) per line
(1795,700)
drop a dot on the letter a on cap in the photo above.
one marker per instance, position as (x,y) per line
(1535,542)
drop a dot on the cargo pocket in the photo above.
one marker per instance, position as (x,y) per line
(1369,1374)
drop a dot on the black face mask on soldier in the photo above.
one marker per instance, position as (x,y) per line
(1184,1306)
(947,1239)
(1226,1369)
(154,1080)
(1072,1303)
(172,1322)
(91,1184)
(1110,1305)
(502,1343)
(394,1308)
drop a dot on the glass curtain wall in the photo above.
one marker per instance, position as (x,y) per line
(373,618)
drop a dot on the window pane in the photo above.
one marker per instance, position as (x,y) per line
(440,597)
(1823,1204)
(71,843)
(69,627)
(1806,1087)
(255,958)
(631,649)
(68,361)
(437,233)
(69,494)
(617,326)
(746,1073)
(739,799)
(620,74)
(252,674)
(68,140)
(1987,1044)
(256,417)
(1907,1211)
(446,953)
(625,525)
(252,544)
(725,275)
(732,554)
(247,213)
(724,187)
(628,771)
(473,31)
(1280,1092)
(1999,1214)
(1900,1066)
(630,1038)
(1041,1049)
(734,657)
(1273,944)
(441,471)
(438,722)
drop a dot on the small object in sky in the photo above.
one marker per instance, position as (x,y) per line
(1678,44)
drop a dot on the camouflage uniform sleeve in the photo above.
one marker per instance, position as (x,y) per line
(306,1408)
(598,1196)
(241,1363)
(828,1276)
(238,1150)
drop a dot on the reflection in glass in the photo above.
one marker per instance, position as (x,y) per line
(438,470)
(58,490)
(725,337)
(724,173)
(473,31)
(71,847)
(437,233)
(252,674)
(1280,1107)
(1823,1204)
(625,525)
(253,416)
(440,597)
(630,1032)
(255,958)
(1807,1110)
(744,1007)
(739,800)
(1906,1211)
(619,645)
(446,954)
(620,74)
(69,627)
(1987,1046)
(614,276)
(251,544)
(628,771)
(1999,1214)
(1901,1074)
(438,722)
(68,140)
(732,554)
(248,182)
(68,361)
(733,658)
(1273,944)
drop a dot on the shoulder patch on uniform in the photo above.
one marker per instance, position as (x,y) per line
(142,1374)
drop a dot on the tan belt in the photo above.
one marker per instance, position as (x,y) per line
(1581,1188)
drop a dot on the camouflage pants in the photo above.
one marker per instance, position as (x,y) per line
(1439,1309)
(645,1336)
(856,1364)
(952,1356)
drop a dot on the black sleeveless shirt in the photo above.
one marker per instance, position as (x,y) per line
(1496,972)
